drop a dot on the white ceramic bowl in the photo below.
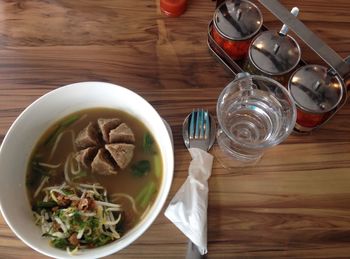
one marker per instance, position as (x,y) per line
(32,123)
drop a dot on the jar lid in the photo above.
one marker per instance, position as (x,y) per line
(315,89)
(237,19)
(173,8)
(274,53)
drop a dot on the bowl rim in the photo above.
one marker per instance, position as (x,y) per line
(157,206)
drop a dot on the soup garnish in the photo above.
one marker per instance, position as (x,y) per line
(78,217)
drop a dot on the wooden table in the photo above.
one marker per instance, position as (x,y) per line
(294,203)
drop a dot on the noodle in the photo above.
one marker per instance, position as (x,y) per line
(58,139)
(49,165)
(131,199)
(73,171)
(66,167)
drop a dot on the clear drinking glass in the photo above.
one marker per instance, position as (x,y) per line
(254,113)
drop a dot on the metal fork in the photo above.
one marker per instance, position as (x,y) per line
(198,131)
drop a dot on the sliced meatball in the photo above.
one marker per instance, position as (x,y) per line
(88,137)
(85,156)
(122,153)
(106,125)
(102,164)
(121,134)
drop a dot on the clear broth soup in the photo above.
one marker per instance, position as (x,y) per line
(57,144)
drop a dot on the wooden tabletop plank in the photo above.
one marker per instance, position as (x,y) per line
(295,203)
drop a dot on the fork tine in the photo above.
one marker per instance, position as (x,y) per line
(202,125)
(206,125)
(199,126)
(193,114)
(196,136)
(200,130)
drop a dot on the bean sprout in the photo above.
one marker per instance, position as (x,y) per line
(41,185)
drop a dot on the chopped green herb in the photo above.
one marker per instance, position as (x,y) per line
(141,194)
(146,194)
(37,169)
(47,235)
(102,240)
(157,165)
(141,168)
(61,243)
(76,218)
(70,120)
(67,192)
(93,222)
(147,142)
(46,204)
(76,222)
(61,214)
(89,239)
(50,139)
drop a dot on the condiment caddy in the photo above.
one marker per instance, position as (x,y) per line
(238,38)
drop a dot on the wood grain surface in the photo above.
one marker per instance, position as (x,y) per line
(294,204)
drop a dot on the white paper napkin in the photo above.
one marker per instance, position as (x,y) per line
(188,209)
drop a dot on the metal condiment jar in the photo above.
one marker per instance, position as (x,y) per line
(235,23)
(274,54)
(316,93)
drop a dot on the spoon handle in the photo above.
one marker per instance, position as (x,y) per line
(192,251)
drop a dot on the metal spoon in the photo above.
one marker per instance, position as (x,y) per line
(198,131)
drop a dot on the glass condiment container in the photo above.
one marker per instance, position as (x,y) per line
(235,23)
(173,8)
(316,92)
(274,54)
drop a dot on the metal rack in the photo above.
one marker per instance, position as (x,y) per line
(338,66)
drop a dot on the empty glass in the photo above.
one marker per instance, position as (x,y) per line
(254,113)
